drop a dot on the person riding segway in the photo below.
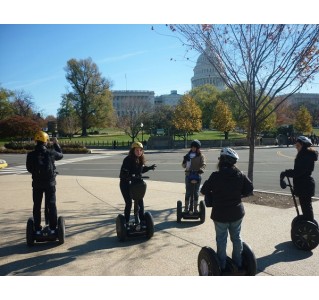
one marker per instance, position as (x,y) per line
(223,192)
(133,187)
(194,164)
(40,163)
(304,228)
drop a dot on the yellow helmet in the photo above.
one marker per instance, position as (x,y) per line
(137,145)
(41,136)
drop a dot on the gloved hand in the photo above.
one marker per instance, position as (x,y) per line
(152,167)
(283,175)
(187,158)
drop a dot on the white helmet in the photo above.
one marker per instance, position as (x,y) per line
(230,153)
(304,140)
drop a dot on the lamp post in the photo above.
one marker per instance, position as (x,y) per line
(142,125)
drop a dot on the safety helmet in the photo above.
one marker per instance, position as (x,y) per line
(229,152)
(196,143)
(137,145)
(304,140)
(41,136)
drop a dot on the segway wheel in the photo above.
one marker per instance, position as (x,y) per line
(207,262)
(30,232)
(179,211)
(149,224)
(120,228)
(202,211)
(249,260)
(305,235)
(61,230)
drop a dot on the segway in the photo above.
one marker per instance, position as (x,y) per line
(304,233)
(192,213)
(45,233)
(208,263)
(135,228)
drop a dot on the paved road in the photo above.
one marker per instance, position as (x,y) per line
(269,162)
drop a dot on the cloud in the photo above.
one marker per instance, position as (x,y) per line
(121,57)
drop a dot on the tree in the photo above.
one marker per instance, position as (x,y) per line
(6,109)
(162,118)
(18,127)
(134,112)
(303,123)
(187,117)
(91,97)
(223,119)
(205,97)
(22,104)
(263,60)
(68,121)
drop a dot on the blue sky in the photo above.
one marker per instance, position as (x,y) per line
(133,57)
(118,38)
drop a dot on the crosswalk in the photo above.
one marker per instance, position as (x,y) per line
(22,168)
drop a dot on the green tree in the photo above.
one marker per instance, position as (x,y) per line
(206,98)
(6,109)
(91,97)
(263,60)
(303,121)
(187,117)
(223,119)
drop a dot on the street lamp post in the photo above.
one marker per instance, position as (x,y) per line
(142,125)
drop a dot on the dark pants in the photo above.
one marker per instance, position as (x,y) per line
(306,207)
(50,207)
(125,190)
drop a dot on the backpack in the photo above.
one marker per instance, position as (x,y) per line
(43,166)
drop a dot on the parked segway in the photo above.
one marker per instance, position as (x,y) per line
(135,228)
(304,233)
(45,234)
(192,212)
(208,263)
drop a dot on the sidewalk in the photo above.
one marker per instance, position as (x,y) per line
(90,206)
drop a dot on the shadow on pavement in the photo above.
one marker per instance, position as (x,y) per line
(284,252)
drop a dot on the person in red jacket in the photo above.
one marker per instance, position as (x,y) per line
(225,188)
(303,182)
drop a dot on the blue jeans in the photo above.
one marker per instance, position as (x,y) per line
(234,229)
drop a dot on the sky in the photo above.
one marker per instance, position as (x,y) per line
(35,47)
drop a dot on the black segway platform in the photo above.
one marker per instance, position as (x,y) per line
(134,229)
(304,233)
(45,233)
(208,264)
(191,215)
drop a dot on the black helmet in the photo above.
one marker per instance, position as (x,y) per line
(304,140)
(196,143)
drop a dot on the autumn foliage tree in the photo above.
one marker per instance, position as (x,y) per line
(303,122)
(18,127)
(223,119)
(263,60)
(187,116)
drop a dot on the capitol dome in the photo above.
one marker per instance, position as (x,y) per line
(205,73)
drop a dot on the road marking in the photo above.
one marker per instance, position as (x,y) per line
(22,168)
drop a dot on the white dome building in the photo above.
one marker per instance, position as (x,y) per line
(205,73)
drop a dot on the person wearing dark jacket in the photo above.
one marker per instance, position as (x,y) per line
(133,166)
(303,183)
(194,164)
(224,189)
(40,163)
